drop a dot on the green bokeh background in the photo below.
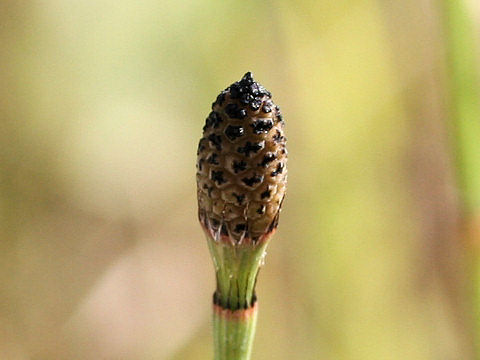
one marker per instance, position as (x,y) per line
(101,107)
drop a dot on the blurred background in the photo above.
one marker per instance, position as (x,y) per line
(101,107)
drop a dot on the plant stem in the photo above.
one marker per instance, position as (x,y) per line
(235,307)
(236,269)
(234,332)
(464,86)
(464,83)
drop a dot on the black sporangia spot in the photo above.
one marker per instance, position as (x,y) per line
(220,99)
(261,210)
(239,166)
(213,120)
(239,198)
(235,112)
(266,194)
(255,104)
(277,137)
(215,140)
(255,179)
(233,132)
(200,164)
(267,159)
(201,146)
(278,170)
(234,91)
(240,228)
(247,98)
(216,119)
(262,126)
(217,176)
(266,109)
(231,109)
(213,159)
(251,148)
(215,222)
(223,229)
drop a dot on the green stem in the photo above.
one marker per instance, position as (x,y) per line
(235,309)
(464,91)
(236,269)
(464,83)
(234,332)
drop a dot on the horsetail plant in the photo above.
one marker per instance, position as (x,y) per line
(241,183)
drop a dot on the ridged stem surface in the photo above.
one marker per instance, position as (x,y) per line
(236,270)
(235,307)
(234,332)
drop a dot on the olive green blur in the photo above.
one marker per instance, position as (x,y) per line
(101,107)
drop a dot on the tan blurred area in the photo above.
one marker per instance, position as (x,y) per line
(101,107)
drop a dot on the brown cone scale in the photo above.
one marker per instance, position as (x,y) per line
(241,164)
